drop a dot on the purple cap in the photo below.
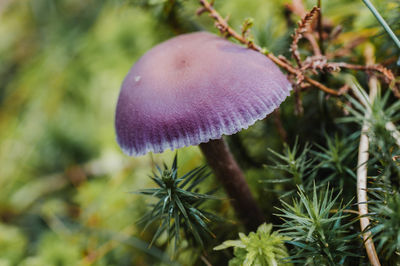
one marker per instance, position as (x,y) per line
(194,88)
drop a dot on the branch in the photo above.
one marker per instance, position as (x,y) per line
(319,27)
(362,194)
(299,33)
(314,63)
(279,125)
(362,170)
(387,73)
(373,67)
(297,7)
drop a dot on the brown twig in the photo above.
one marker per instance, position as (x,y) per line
(279,125)
(373,67)
(299,110)
(320,63)
(319,26)
(313,42)
(297,7)
(303,27)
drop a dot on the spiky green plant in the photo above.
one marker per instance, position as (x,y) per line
(384,206)
(263,248)
(383,134)
(296,163)
(318,227)
(335,155)
(178,207)
(385,214)
(335,162)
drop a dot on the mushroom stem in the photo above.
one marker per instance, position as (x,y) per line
(231,177)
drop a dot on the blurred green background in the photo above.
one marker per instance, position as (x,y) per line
(64,182)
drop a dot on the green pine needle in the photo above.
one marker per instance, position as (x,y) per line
(318,227)
(384,205)
(297,164)
(383,142)
(178,207)
(386,229)
(336,159)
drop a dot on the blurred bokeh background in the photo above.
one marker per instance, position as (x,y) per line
(64,182)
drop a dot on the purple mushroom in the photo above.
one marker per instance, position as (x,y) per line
(192,90)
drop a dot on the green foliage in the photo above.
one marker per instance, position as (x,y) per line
(55,250)
(336,159)
(378,116)
(261,248)
(318,228)
(384,205)
(385,214)
(325,163)
(12,244)
(334,154)
(179,204)
(297,164)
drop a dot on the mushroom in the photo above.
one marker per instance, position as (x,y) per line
(192,90)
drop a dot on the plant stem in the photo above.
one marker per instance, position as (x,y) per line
(362,195)
(382,22)
(321,41)
(362,171)
(232,179)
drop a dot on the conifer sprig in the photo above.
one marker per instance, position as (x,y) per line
(385,225)
(178,207)
(296,163)
(385,218)
(318,227)
(384,136)
(335,158)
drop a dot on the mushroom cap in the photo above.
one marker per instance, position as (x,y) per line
(194,88)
